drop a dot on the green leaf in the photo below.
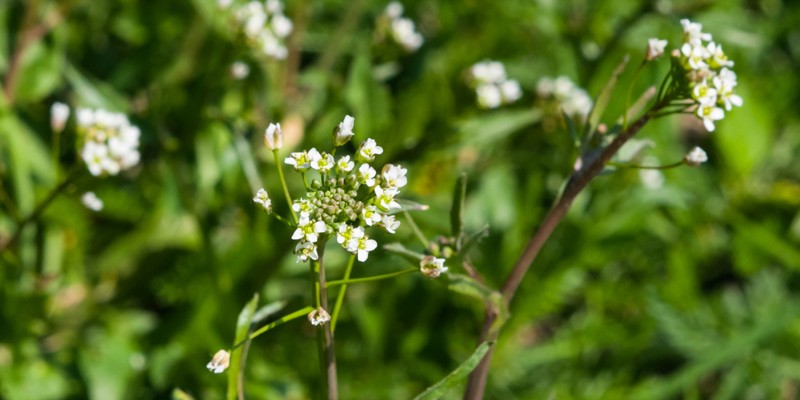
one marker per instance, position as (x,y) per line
(457,209)
(94,93)
(242,329)
(605,95)
(369,99)
(439,389)
(178,394)
(39,72)
(496,126)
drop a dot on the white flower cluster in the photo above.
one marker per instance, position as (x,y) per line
(109,143)
(263,24)
(401,29)
(492,85)
(711,80)
(570,99)
(348,196)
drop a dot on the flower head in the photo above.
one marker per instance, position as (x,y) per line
(655,48)
(432,267)
(695,157)
(368,150)
(318,316)
(91,201)
(262,198)
(59,113)
(492,86)
(219,362)
(273,137)
(110,143)
(344,131)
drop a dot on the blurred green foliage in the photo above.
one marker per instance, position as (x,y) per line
(688,290)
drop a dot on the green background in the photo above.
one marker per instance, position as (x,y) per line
(684,291)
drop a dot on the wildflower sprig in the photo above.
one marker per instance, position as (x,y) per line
(108,142)
(492,85)
(263,25)
(701,79)
(399,29)
(560,95)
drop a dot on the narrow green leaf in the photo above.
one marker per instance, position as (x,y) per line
(439,389)
(178,394)
(94,93)
(457,210)
(498,125)
(605,95)
(242,329)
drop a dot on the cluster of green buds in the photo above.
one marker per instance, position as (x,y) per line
(344,195)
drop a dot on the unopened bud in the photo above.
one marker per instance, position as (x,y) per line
(59,113)
(432,267)
(344,131)
(655,48)
(273,137)
(695,157)
(219,362)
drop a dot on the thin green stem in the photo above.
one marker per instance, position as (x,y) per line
(634,166)
(283,183)
(417,232)
(8,203)
(371,278)
(71,177)
(286,318)
(342,290)
(284,220)
(56,152)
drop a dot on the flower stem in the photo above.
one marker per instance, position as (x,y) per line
(576,183)
(415,228)
(374,278)
(325,334)
(342,290)
(283,183)
(628,97)
(668,166)
(286,318)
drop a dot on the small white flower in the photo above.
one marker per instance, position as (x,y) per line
(511,91)
(725,82)
(299,160)
(709,112)
(704,93)
(240,70)
(488,72)
(302,206)
(655,48)
(489,95)
(370,215)
(224,4)
(322,162)
(432,267)
(308,229)
(717,57)
(95,156)
(693,32)
(281,25)
(219,362)
(696,56)
(305,251)
(390,223)
(85,117)
(394,10)
(262,198)
(344,164)
(318,317)
(91,201)
(344,131)
(368,150)
(346,233)
(361,246)
(695,157)
(394,176)
(405,34)
(59,113)
(366,175)
(273,137)
(385,198)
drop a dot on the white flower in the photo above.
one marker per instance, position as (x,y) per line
(344,164)
(95,155)
(489,95)
(308,229)
(239,70)
(281,25)
(318,317)
(655,48)
(394,10)
(368,150)
(366,175)
(724,83)
(695,56)
(347,232)
(370,215)
(405,34)
(394,176)
(85,117)
(344,131)
(322,162)
(695,157)
(717,57)
(59,113)
(223,4)
(262,198)
(709,113)
(273,137)
(305,251)
(511,91)
(91,201)
(390,223)
(302,206)
(545,87)
(563,87)
(385,198)
(704,93)
(219,362)
(488,72)
(361,246)
(432,267)
(693,32)
(299,160)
